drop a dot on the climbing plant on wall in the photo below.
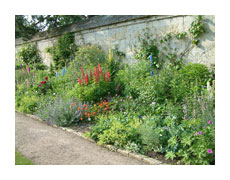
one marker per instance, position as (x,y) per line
(63,52)
(161,50)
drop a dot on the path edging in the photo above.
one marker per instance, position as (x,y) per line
(137,156)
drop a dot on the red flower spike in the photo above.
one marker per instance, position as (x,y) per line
(99,67)
(108,76)
(82,71)
(96,74)
(86,79)
(79,80)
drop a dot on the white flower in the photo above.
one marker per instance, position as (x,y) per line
(54,94)
(89,119)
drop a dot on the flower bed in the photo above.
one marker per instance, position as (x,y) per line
(148,107)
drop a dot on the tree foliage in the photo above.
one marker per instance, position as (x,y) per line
(26,28)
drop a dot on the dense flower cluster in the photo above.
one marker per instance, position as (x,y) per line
(98,73)
(43,82)
(102,107)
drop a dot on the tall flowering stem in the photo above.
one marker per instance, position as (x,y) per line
(82,71)
(108,76)
(79,80)
(86,79)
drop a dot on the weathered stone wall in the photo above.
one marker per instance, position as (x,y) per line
(125,32)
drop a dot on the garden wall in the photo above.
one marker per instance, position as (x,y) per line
(125,32)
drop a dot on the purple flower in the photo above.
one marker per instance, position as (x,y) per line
(200,132)
(209,122)
(210,151)
(28,69)
(195,134)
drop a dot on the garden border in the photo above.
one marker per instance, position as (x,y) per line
(137,156)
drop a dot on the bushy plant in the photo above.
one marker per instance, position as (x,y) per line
(62,52)
(93,87)
(88,55)
(116,129)
(25,100)
(191,78)
(152,135)
(29,54)
(62,111)
(132,77)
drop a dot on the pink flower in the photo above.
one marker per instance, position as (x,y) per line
(195,134)
(209,122)
(203,126)
(210,151)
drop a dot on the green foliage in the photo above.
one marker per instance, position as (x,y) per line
(151,134)
(58,111)
(181,35)
(29,54)
(130,79)
(197,29)
(93,92)
(147,48)
(26,28)
(89,55)
(116,129)
(191,78)
(63,52)
(19,77)
(28,103)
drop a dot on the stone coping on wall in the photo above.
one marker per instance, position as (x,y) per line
(91,23)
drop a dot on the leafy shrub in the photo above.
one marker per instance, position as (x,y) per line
(29,54)
(116,129)
(88,55)
(27,102)
(19,77)
(131,79)
(188,80)
(63,52)
(152,135)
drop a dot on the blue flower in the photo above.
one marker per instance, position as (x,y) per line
(152,73)
(151,57)
(63,71)
(57,74)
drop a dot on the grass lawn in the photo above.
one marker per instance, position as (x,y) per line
(21,160)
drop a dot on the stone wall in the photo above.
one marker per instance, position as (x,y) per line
(125,32)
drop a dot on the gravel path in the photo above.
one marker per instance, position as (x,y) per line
(47,145)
